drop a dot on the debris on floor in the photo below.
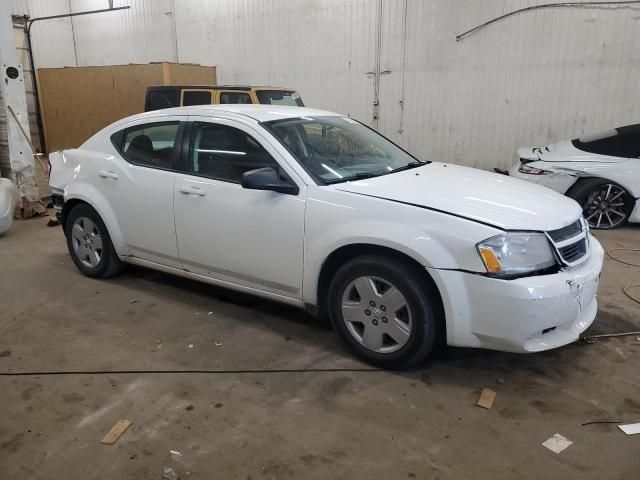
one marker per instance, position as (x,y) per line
(175,455)
(600,422)
(557,443)
(630,429)
(500,381)
(53,222)
(190,345)
(487,397)
(169,473)
(116,432)
(594,338)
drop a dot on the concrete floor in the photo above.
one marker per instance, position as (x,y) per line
(359,425)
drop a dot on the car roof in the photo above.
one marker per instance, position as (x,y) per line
(218,87)
(261,113)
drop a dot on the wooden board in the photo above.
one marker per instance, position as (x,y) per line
(77,102)
(116,432)
(487,397)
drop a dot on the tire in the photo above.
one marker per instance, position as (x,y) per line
(605,204)
(89,243)
(395,341)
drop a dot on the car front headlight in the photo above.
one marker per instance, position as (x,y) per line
(516,253)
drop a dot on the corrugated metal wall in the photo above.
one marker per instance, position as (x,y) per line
(533,78)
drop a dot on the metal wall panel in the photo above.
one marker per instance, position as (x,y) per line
(530,79)
(141,34)
(53,39)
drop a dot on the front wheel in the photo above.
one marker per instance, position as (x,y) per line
(605,204)
(384,310)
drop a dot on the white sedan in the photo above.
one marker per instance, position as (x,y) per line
(316,210)
(601,172)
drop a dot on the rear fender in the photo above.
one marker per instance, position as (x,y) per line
(86,193)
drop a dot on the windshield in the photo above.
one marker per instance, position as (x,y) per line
(337,149)
(279,97)
(620,142)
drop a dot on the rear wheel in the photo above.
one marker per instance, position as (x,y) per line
(605,204)
(384,309)
(89,243)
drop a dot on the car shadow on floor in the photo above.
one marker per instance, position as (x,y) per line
(447,365)
(286,320)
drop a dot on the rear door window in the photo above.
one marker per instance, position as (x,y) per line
(235,97)
(159,99)
(149,145)
(196,97)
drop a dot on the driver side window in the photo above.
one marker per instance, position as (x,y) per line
(225,153)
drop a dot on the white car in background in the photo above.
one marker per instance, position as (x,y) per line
(8,201)
(601,172)
(316,210)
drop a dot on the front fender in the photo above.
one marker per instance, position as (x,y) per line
(433,239)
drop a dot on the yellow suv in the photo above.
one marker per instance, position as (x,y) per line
(167,96)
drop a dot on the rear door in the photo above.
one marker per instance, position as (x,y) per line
(137,183)
(250,238)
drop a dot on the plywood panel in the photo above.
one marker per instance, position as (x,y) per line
(79,101)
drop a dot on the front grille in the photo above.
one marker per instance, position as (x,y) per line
(573,252)
(566,232)
(570,242)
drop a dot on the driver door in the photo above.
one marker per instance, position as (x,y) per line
(250,238)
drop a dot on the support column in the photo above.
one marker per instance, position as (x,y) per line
(15,103)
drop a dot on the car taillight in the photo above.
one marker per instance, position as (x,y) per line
(531,171)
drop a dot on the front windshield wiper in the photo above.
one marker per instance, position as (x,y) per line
(363,175)
(357,176)
(408,166)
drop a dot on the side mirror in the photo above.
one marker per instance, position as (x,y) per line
(268,179)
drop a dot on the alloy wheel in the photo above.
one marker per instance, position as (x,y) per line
(87,242)
(604,207)
(376,314)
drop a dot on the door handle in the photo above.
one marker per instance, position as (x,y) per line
(192,191)
(106,174)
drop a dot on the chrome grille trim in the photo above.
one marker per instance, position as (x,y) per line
(567,232)
(571,243)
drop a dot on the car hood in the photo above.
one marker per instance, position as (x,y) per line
(564,152)
(486,197)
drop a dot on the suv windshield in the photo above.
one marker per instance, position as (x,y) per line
(279,97)
(338,149)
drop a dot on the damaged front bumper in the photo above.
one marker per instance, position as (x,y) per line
(528,314)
